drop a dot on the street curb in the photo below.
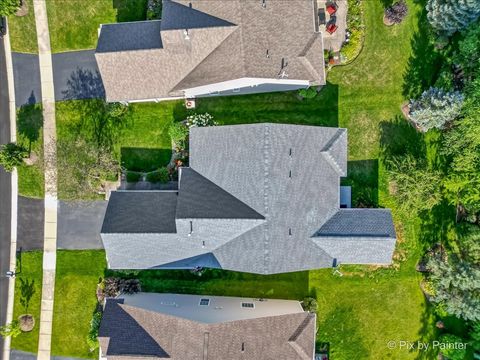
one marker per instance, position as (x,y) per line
(14,179)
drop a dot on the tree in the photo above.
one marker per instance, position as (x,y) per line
(27,289)
(83,167)
(310,304)
(468,54)
(461,145)
(457,287)
(448,16)
(450,350)
(435,109)
(12,155)
(12,329)
(9,7)
(415,186)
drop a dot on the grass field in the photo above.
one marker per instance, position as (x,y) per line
(74,24)
(23,34)
(31,269)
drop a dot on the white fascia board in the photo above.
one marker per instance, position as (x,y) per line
(240,83)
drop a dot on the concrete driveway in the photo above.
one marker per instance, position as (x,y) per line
(79,224)
(75,76)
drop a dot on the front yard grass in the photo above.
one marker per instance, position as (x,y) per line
(75,301)
(31,269)
(22,30)
(74,24)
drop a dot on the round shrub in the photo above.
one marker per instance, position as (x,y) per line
(308,93)
(396,13)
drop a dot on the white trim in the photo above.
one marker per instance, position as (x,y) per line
(152,99)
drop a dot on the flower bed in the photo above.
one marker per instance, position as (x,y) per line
(355,32)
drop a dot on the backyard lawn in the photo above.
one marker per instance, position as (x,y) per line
(23,34)
(31,270)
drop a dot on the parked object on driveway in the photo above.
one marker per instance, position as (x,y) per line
(3,26)
(331,8)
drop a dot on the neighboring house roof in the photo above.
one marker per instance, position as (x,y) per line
(209,41)
(176,327)
(261,198)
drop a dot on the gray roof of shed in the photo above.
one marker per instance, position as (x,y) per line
(129,36)
(140,212)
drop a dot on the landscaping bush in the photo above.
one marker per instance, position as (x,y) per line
(451,350)
(178,133)
(114,286)
(9,7)
(12,155)
(435,109)
(154,9)
(308,93)
(200,120)
(396,13)
(162,175)
(92,338)
(310,304)
(12,329)
(355,28)
(133,176)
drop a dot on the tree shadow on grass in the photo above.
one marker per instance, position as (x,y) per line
(363,178)
(130,10)
(424,63)
(30,122)
(341,329)
(399,137)
(144,159)
(427,333)
(84,84)
(436,225)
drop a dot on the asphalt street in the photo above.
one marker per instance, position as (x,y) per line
(5,192)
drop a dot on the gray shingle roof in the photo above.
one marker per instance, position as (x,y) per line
(261,198)
(227,40)
(129,36)
(359,223)
(140,212)
(129,331)
(200,198)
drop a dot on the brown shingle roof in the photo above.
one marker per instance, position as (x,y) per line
(128,332)
(229,39)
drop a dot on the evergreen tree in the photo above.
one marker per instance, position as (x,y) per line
(449,16)
(435,108)
(9,7)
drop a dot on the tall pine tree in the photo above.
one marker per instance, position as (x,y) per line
(449,16)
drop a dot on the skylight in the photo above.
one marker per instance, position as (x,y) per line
(248,305)
(204,302)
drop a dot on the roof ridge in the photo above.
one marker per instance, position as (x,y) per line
(328,146)
(292,341)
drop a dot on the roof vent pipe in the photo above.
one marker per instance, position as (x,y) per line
(264,3)
(185,32)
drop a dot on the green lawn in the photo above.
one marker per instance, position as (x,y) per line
(30,136)
(31,269)
(23,34)
(75,300)
(74,23)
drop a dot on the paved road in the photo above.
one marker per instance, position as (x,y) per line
(5,192)
(22,355)
(75,76)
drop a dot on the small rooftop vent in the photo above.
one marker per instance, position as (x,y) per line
(187,36)
(264,3)
(248,305)
(204,302)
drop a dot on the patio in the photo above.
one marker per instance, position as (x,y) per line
(332,23)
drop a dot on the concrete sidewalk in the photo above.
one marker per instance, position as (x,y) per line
(50,166)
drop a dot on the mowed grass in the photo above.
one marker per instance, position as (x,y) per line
(74,24)
(31,270)
(23,33)
(75,301)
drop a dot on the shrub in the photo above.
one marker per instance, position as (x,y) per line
(200,120)
(9,7)
(92,337)
(154,9)
(355,28)
(448,16)
(310,304)
(308,93)
(12,329)
(435,108)
(397,12)
(12,155)
(114,286)
(162,175)
(178,133)
(133,176)
(468,55)
(450,348)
